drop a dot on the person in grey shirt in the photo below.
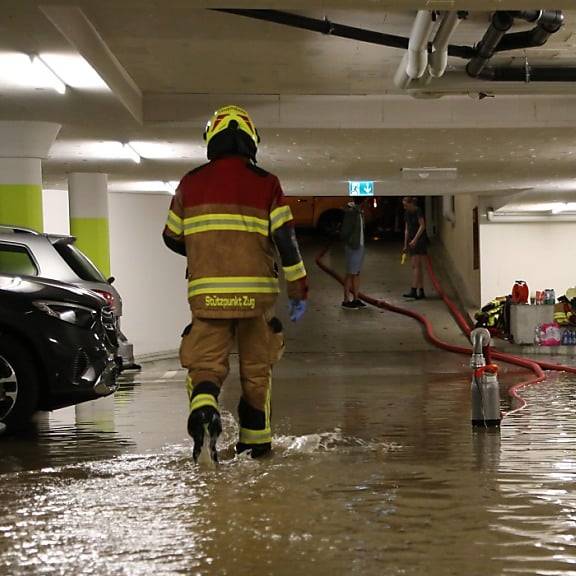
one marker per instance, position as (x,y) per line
(415,244)
(352,233)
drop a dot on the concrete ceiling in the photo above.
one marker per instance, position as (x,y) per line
(327,108)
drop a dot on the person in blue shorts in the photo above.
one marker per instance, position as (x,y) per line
(352,233)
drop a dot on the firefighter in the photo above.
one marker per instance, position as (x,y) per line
(228,217)
(563,313)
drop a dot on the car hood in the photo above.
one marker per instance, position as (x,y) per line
(34,288)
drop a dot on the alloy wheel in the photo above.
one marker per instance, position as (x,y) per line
(8,387)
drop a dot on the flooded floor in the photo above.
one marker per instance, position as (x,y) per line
(376,470)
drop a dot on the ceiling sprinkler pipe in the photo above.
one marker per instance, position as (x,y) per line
(438,58)
(418,44)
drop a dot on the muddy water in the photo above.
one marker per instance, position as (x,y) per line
(379,474)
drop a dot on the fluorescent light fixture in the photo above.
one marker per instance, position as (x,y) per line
(153,186)
(41,69)
(559,207)
(74,70)
(131,153)
(158,150)
(73,150)
(429,173)
(24,71)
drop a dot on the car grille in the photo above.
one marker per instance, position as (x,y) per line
(79,365)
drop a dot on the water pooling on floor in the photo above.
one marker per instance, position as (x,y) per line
(379,475)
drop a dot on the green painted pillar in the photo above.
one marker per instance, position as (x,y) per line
(88,197)
(22,146)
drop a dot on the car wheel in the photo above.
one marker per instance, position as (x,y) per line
(330,223)
(18,384)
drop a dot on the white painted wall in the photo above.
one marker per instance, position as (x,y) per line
(456,235)
(55,210)
(541,253)
(149,277)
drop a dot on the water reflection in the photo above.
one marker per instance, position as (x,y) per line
(379,475)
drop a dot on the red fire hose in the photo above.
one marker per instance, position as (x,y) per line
(536,367)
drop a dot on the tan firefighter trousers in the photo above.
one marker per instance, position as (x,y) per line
(204,351)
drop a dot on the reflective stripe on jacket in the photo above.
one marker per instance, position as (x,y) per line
(228,217)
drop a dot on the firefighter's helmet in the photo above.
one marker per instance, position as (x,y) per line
(231,117)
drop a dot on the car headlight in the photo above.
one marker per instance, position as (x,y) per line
(71,313)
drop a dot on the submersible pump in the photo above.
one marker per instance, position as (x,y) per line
(484,387)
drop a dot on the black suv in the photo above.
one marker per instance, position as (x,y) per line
(57,347)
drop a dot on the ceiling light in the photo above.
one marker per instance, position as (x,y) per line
(74,70)
(131,153)
(559,207)
(20,70)
(41,69)
(152,186)
(429,173)
(158,150)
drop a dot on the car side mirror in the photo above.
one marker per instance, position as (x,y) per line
(111,280)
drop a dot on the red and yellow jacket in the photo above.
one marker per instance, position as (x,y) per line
(227,217)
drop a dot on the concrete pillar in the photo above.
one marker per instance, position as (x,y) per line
(88,197)
(22,147)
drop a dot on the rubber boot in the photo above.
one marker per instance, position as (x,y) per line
(256,450)
(204,425)
(412,294)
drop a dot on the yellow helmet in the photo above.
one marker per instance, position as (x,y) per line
(222,119)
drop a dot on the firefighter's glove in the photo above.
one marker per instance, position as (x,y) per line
(296,309)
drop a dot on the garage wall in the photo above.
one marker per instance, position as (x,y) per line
(149,277)
(456,236)
(541,253)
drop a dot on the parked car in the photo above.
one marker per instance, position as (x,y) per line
(27,252)
(57,347)
(325,213)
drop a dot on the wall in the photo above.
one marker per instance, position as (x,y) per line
(149,277)
(456,236)
(541,253)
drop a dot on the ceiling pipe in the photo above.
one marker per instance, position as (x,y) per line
(417,61)
(500,24)
(548,22)
(438,58)
(495,39)
(340,30)
(528,73)
(414,63)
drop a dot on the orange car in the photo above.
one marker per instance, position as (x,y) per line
(326,212)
